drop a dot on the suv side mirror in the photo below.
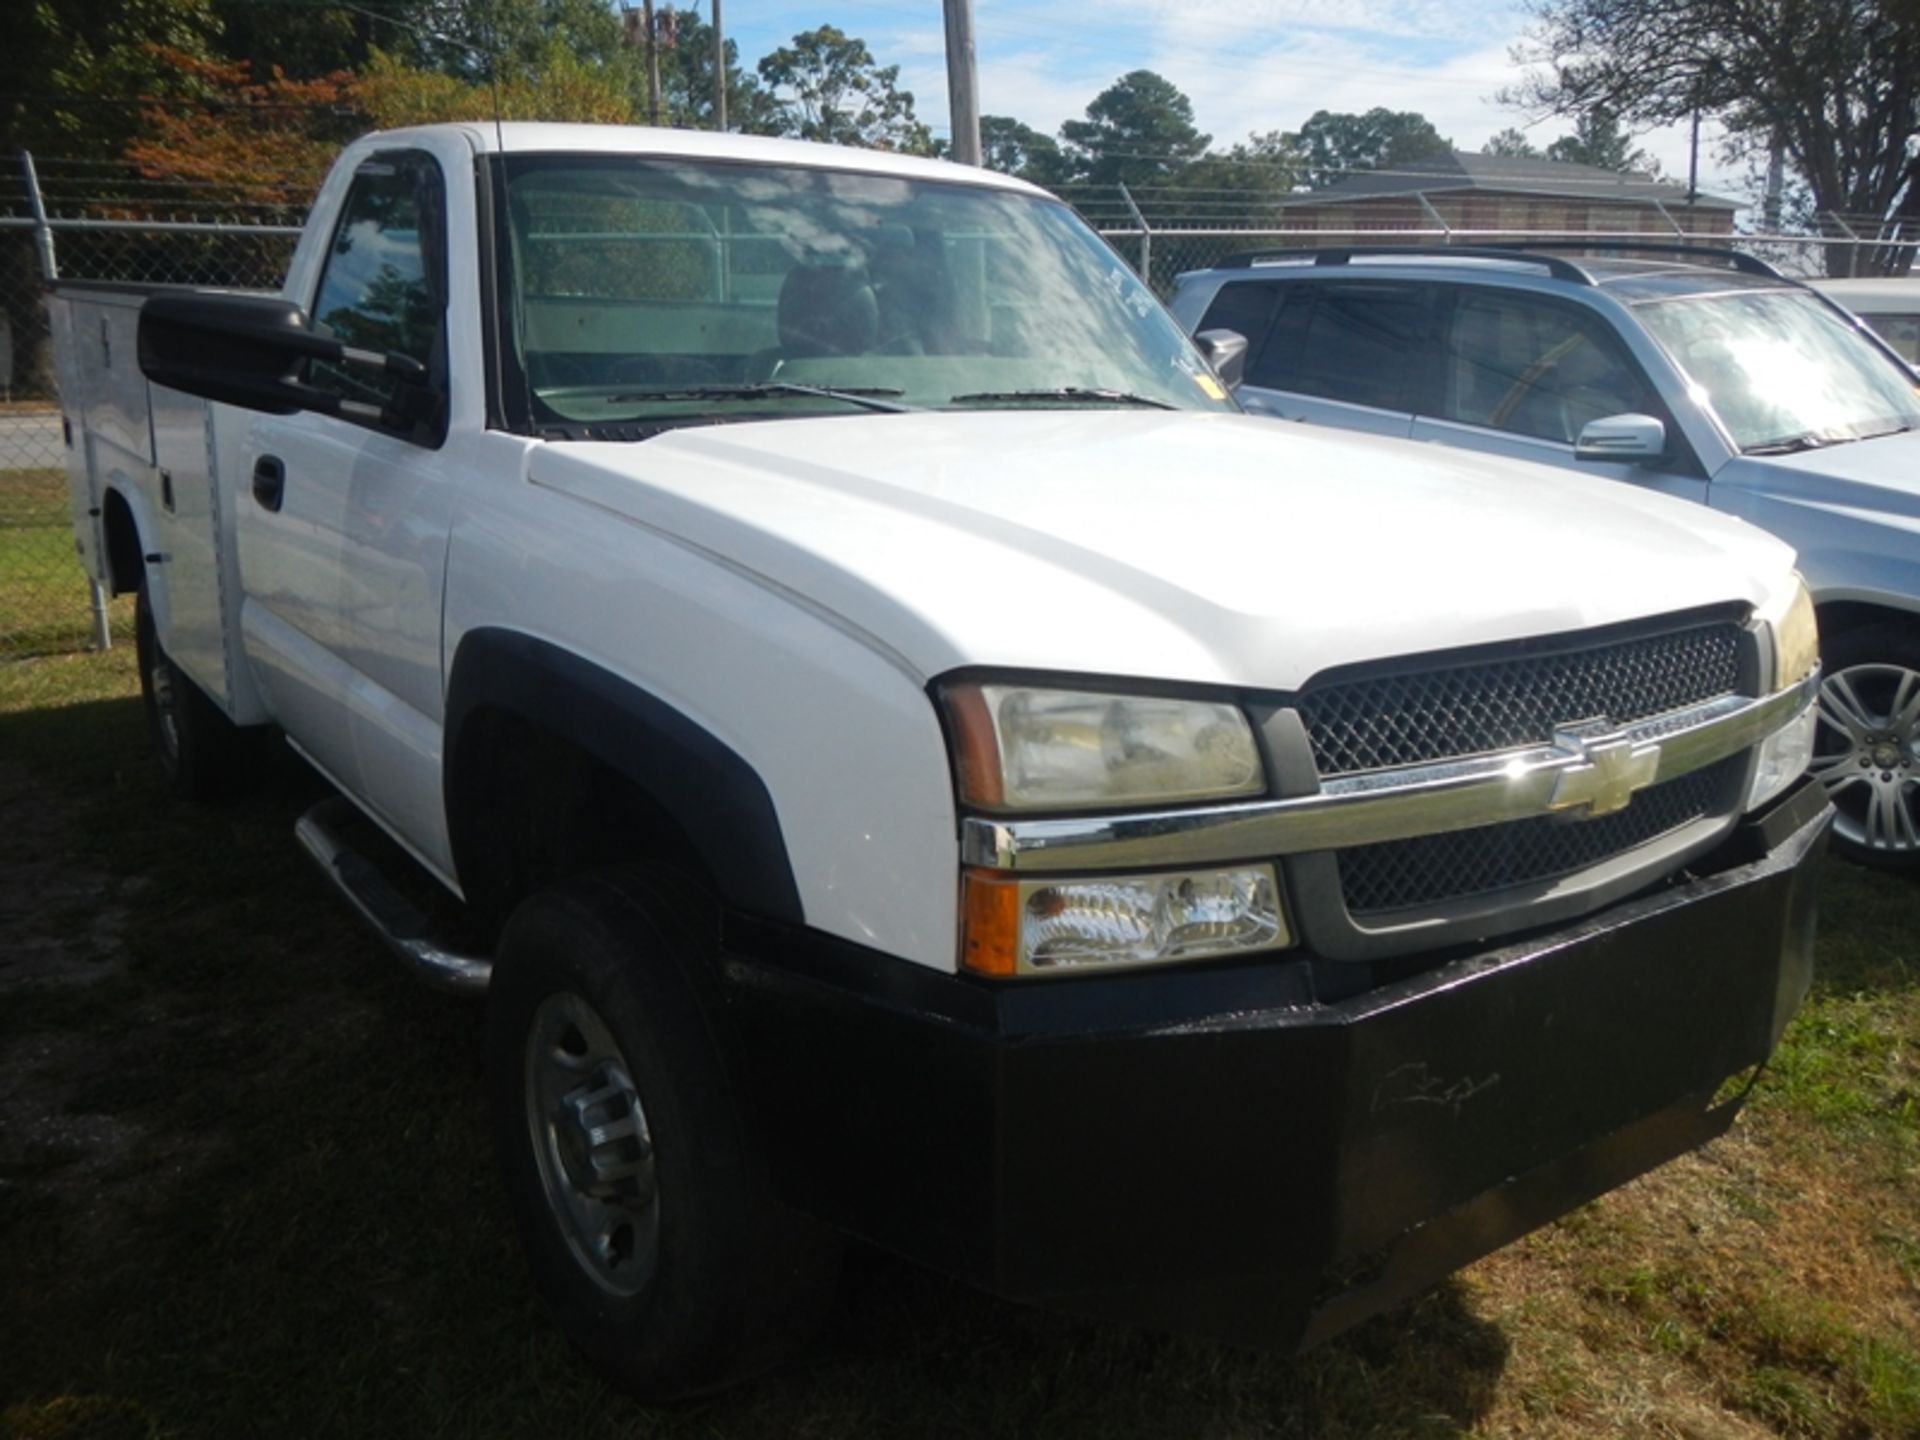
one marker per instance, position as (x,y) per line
(1225,351)
(1622,437)
(249,350)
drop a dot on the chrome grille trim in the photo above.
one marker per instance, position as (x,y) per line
(1378,806)
(1422,713)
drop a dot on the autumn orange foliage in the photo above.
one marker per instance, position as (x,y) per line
(269,141)
(245,140)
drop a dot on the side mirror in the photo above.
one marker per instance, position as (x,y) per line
(1622,437)
(250,350)
(1225,351)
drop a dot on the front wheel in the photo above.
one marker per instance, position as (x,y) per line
(629,1170)
(1867,747)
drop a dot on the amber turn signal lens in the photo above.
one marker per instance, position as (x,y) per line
(976,750)
(990,933)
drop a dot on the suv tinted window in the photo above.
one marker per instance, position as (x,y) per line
(1356,343)
(1515,364)
(374,290)
(1246,307)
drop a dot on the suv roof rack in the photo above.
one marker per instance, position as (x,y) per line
(1746,264)
(1341,254)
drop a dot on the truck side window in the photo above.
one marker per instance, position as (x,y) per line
(1545,371)
(376,290)
(1358,345)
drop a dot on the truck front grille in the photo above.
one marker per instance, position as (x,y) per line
(1512,701)
(1432,869)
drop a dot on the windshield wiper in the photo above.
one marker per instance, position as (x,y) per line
(866,397)
(1793,444)
(1067,392)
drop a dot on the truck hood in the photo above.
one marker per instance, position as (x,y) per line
(1178,546)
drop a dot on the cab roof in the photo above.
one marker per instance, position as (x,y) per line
(525,137)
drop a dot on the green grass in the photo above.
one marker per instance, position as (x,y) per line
(245,1190)
(44,599)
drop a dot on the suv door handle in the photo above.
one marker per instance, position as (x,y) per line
(269,481)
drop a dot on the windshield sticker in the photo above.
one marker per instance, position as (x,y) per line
(1120,281)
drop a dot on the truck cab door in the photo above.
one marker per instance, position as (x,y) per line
(344,524)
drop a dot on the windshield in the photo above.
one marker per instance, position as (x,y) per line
(674,291)
(1782,371)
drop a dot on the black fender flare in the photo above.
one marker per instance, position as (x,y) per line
(702,784)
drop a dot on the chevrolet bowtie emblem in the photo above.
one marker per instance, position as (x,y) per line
(1609,772)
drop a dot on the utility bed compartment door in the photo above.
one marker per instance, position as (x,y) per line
(188,522)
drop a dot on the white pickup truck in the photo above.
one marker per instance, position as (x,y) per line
(917,764)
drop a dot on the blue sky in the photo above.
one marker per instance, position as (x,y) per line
(1247,65)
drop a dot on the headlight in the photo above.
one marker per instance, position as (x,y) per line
(1020,747)
(1796,637)
(1784,757)
(1039,927)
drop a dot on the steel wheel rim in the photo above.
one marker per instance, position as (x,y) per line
(1867,754)
(590,1139)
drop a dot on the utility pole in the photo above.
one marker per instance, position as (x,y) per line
(719,72)
(963,84)
(1693,160)
(1776,183)
(653,64)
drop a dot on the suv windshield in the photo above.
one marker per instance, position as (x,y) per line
(1782,371)
(671,291)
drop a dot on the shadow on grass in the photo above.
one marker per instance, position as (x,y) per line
(263,1201)
(1867,936)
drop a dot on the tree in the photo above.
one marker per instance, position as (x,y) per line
(249,142)
(1138,130)
(1512,144)
(1240,186)
(1015,149)
(71,71)
(1833,81)
(1336,144)
(1597,140)
(686,82)
(242,141)
(836,92)
(67,70)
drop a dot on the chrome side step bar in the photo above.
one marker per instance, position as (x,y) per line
(408,933)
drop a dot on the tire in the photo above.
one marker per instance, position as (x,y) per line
(1867,745)
(202,754)
(650,1233)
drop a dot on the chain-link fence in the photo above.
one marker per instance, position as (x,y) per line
(1162,253)
(80,225)
(92,221)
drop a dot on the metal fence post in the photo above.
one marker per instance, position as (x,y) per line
(1853,243)
(42,230)
(1146,235)
(50,272)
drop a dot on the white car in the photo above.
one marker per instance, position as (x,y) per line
(924,766)
(1890,307)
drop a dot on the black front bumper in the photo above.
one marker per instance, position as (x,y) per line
(1225,1153)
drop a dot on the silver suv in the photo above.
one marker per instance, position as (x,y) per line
(1711,377)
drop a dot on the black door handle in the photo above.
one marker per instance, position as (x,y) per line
(269,481)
